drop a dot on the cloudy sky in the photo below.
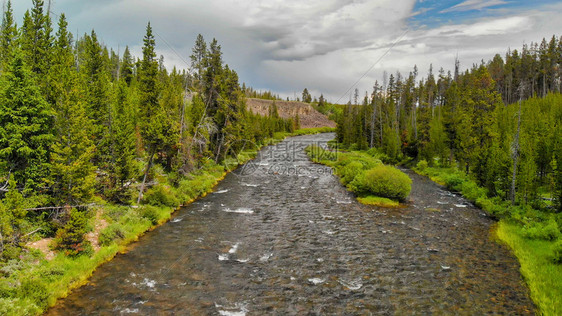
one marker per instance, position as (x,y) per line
(328,46)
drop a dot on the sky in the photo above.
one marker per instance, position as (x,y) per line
(329,47)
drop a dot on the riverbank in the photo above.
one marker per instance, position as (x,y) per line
(32,284)
(299,243)
(521,229)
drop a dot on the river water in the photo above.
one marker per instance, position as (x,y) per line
(281,236)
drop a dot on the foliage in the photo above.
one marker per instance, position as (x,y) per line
(542,275)
(364,174)
(378,201)
(389,182)
(110,234)
(79,125)
(12,221)
(543,231)
(422,165)
(160,195)
(557,252)
(25,125)
(71,238)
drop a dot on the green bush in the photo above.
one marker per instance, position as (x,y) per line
(110,234)
(359,184)
(71,238)
(161,195)
(541,230)
(348,173)
(389,182)
(422,165)
(34,289)
(151,213)
(557,252)
(472,191)
(320,154)
(454,181)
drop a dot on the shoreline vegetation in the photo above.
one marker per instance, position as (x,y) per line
(531,236)
(363,173)
(492,131)
(35,283)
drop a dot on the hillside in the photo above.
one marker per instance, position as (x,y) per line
(308,116)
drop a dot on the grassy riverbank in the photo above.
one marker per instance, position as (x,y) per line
(364,174)
(533,236)
(32,283)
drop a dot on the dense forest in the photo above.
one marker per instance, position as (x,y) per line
(499,121)
(81,124)
(493,133)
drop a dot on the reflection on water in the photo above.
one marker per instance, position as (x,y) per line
(286,238)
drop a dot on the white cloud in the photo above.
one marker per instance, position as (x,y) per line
(474,5)
(324,45)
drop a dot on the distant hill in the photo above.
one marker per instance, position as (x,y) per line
(308,116)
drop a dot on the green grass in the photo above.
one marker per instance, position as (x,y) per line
(31,285)
(543,277)
(279,136)
(315,130)
(378,201)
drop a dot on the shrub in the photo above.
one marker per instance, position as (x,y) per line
(422,165)
(71,238)
(472,191)
(110,234)
(359,185)
(34,289)
(454,181)
(151,213)
(377,154)
(349,172)
(161,195)
(557,252)
(541,230)
(389,182)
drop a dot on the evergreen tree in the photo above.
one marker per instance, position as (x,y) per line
(25,125)
(36,39)
(8,36)
(153,123)
(72,173)
(306,97)
(123,145)
(12,221)
(126,70)
(199,60)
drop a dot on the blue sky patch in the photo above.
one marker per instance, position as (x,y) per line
(434,13)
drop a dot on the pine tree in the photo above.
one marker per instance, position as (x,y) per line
(199,60)
(12,221)
(72,172)
(36,39)
(8,36)
(25,125)
(153,123)
(126,70)
(306,97)
(123,144)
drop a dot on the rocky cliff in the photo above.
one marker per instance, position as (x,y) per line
(308,116)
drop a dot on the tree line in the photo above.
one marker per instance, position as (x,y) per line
(79,120)
(499,121)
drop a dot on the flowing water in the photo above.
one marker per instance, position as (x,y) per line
(281,236)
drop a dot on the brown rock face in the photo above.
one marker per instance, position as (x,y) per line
(308,116)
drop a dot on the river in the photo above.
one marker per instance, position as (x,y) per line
(281,236)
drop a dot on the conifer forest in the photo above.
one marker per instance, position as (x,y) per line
(438,192)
